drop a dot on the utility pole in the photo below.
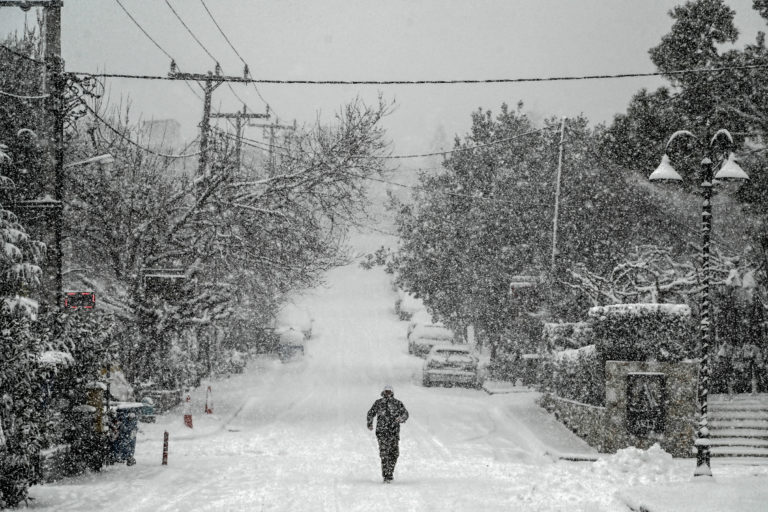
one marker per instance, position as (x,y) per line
(55,85)
(239,118)
(210,81)
(272,127)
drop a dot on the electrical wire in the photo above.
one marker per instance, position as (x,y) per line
(19,54)
(165,52)
(190,31)
(205,49)
(445,82)
(420,155)
(144,31)
(40,97)
(210,14)
(131,141)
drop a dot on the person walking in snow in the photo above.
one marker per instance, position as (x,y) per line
(389,413)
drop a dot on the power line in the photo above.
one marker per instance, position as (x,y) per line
(247,67)
(190,31)
(144,31)
(420,155)
(205,49)
(165,52)
(40,97)
(131,141)
(447,82)
(19,54)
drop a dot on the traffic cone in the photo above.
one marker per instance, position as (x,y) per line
(188,413)
(209,408)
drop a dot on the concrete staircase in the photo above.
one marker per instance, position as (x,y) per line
(739,428)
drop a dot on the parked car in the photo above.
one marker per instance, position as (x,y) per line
(424,336)
(420,318)
(291,344)
(452,364)
(296,317)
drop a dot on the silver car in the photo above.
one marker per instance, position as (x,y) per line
(452,364)
(423,337)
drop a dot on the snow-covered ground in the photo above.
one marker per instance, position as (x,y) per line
(292,437)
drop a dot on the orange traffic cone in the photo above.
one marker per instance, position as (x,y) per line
(209,408)
(188,413)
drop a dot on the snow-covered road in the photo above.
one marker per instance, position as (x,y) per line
(292,436)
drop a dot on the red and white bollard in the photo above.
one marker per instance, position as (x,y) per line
(209,400)
(165,448)
(188,413)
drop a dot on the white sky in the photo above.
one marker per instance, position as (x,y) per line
(374,39)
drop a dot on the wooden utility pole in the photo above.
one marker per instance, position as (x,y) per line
(55,85)
(210,81)
(272,127)
(239,118)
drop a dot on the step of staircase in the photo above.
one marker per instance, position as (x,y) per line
(739,429)
(738,414)
(738,441)
(739,451)
(755,433)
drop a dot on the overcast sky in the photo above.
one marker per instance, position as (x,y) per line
(372,40)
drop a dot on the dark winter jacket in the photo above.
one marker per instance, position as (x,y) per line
(389,413)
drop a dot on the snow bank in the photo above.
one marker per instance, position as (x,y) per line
(636,467)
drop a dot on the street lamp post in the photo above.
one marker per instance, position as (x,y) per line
(729,171)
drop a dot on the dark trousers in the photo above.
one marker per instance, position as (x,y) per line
(389,451)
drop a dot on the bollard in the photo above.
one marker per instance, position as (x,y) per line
(165,448)
(188,413)
(208,409)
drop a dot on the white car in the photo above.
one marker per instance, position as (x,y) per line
(424,336)
(295,317)
(291,344)
(452,364)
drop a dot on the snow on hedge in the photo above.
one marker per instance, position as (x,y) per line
(642,309)
(572,354)
(566,335)
(23,305)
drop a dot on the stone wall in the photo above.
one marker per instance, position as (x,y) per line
(681,406)
(586,421)
(608,428)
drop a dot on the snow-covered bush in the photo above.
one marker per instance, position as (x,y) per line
(575,374)
(20,415)
(20,418)
(564,335)
(640,332)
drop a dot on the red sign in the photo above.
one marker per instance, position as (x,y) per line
(77,300)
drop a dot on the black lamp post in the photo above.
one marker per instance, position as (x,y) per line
(729,171)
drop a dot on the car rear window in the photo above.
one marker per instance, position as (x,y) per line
(454,355)
(433,332)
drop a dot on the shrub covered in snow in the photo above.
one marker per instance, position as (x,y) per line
(575,374)
(564,335)
(20,416)
(640,332)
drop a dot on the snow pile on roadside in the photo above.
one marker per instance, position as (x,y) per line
(636,467)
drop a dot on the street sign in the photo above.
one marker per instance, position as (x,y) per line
(79,300)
